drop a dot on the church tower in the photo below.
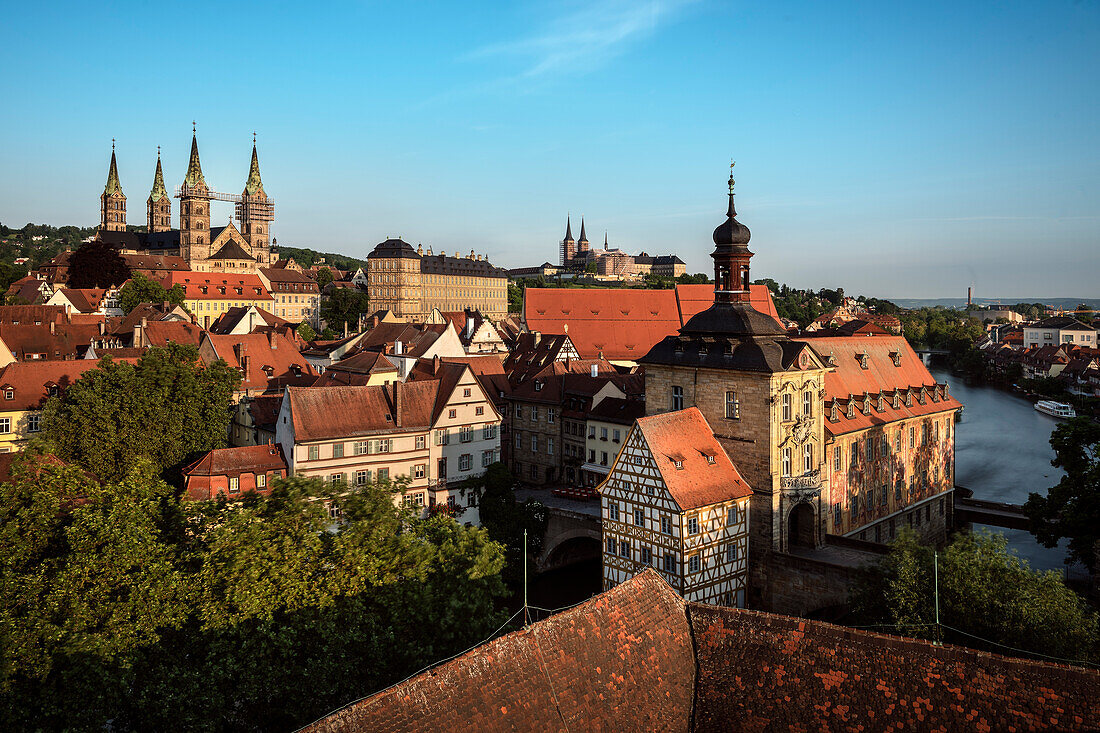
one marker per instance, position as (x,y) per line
(158,206)
(568,245)
(112,202)
(194,209)
(254,212)
(582,243)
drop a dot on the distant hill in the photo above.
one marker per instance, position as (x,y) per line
(1064,303)
(308,257)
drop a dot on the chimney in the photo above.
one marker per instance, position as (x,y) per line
(594,370)
(244,364)
(968,301)
(436,361)
(345,329)
(398,413)
(102,328)
(469,325)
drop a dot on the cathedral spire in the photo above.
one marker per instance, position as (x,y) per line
(114,186)
(568,225)
(583,239)
(254,185)
(194,168)
(159,191)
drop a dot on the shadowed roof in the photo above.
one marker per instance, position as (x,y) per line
(321,413)
(238,460)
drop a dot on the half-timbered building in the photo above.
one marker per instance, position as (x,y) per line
(675,502)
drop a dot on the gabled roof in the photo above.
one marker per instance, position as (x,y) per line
(325,413)
(31,380)
(54,340)
(159,333)
(617,410)
(1061,322)
(357,369)
(685,437)
(193,283)
(231,250)
(273,362)
(234,461)
(31,314)
(85,300)
(232,318)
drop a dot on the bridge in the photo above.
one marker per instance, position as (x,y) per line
(927,354)
(995,513)
(574,532)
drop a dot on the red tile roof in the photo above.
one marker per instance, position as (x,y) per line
(619,662)
(218,285)
(849,378)
(237,460)
(637,658)
(622,323)
(159,333)
(272,360)
(685,436)
(32,314)
(322,413)
(31,381)
(84,300)
(49,340)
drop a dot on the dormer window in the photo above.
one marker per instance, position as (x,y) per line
(710,460)
(833,412)
(897,400)
(881,405)
(896,356)
(923,395)
(679,347)
(851,408)
(9,394)
(867,405)
(862,360)
(908,399)
(678,464)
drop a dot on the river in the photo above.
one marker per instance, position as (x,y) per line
(1002,453)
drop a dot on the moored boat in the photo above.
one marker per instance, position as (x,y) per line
(1055,409)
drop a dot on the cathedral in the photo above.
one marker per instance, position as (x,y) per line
(205,248)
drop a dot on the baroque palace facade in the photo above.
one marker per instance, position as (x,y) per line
(204,247)
(411,283)
(842,436)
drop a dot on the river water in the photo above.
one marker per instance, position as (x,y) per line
(1002,453)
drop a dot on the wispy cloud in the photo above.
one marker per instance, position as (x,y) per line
(584,39)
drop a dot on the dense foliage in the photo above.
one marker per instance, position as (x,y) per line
(941,328)
(141,289)
(984,591)
(342,307)
(1071,509)
(123,608)
(97,264)
(307,258)
(166,408)
(506,520)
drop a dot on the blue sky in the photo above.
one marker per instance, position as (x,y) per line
(892,149)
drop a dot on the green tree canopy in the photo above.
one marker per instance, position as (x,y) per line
(1071,509)
(324,277)
(506,519)
(306,332)
(131,607)
(985,591)
(165,408)
(343,306)
(141,289)
(97,264)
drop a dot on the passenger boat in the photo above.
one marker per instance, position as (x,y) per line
(1055,409)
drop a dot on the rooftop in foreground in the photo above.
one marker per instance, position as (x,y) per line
(639,658)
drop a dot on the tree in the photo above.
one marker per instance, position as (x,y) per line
(505,519)
(141,289)
(985,591)
(306,332)
(324,277)
(1071,509)
(342,307)
(134,608)
(97,264)
(166,408)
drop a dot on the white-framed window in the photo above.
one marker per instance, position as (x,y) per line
(9,394)
(534,444)
(466,392)
(534,412)
(420,442)
(362,478)
(486,458)
(442,437)
(550,446)
(670,562)
(591,431)
(337,450)
(733,407)
(34,422)
(314,451)
(786,461)
(518,441)
(612,546)
(808,457)
(693,525)
(336,479)
(419,470)
(808,403)
(613,511)
(731,515)
(647,555)
(731,552)
(465,434)
(785,401)
(362,447)
(836,458)
(519,410)
(624,549)
(452,414)
(693,564)
(489,431)
(551,414)
(677,398)
(234,485)
(479,410)
(465,461)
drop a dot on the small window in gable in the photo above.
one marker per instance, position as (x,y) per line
(9,394)
(862,361)
(897,400)
(851,408)
(896,356)
(833,412)
(908,399)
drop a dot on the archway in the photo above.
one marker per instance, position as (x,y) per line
(800,527)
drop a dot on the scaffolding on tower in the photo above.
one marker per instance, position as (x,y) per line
(245,209)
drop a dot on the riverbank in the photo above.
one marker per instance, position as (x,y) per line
(1003,453)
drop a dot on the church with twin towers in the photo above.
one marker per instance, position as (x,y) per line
(241,247)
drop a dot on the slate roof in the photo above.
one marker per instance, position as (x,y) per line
(617,410)
(706,475)
(445,265)
(324,413)
(638,658)
(231,250)
(393,248)
(232,317)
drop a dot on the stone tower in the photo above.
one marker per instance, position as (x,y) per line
(194,209)
(112,202)
(582,243)
(568,245)
(253,212)
(158,205)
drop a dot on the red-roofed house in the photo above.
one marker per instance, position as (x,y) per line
(210,294)
(622,324)
(233,472)
(674,501)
